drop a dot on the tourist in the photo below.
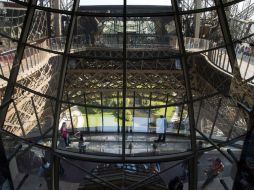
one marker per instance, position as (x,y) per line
(161,127)
(65,134)
(214,170)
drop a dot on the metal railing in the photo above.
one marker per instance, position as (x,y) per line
(31,59)
(219,57)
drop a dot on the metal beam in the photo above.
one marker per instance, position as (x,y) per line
(118,113)
(199,109)
(197,18)
(60,89)
(166,108)
(112,89)
(233,124)
(216,146)
(215,118)
(149,110)
(102,114)
(124,77)
(104,182)
(227,38)
(181,117)
(119,71)
(18,58)
(19,119)
(69,108)
(36,115)
(246,153)
(141,182)
(87,122)
(193,162)
(133,111)
(12,81)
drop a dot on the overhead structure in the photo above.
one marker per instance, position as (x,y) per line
(109,72)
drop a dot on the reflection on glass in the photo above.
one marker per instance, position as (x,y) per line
(62,5)
(43,65)
(239,17)
(11,19)
(201,34)
(212,169)
(7,56)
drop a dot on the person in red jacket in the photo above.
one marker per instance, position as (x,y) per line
(214,170)
(64,133)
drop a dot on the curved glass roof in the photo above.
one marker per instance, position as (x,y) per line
(113,70)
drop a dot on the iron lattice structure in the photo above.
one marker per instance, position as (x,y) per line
(112,66)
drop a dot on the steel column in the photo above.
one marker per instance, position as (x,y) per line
(215,118)
(69,108)
(87,122)
(124,78)
(227,38)
(118,114)
(19,119)
(133,111)
(36,115)
(166,108)
(60,89)
(12,81)
(102,115)
(149,110)
(181,117)
(18,58)
(193,162)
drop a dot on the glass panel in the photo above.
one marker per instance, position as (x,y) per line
(101,6)
(214,62)
(214,168)
(7,55)
(101,33)
(200,33)
(151,32)
(30,116)
(13,122)
(239,17)
(89,32)
(231,121)
(3,83)
(35,164)
(154,115)
(245,58)
(184,125)
(47,34)
(186,5)
(12,19)
(28,164)
(205,115)
(219,57)
(101,2)
(39,28)
(177,175)
(148,7)
(140,120)
(240,125)
(95,119)
(38,65)
(110,120)
(62,5)
(79,118)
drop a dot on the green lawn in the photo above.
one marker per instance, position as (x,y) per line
(95,119)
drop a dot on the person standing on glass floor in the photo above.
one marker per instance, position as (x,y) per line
(161,126)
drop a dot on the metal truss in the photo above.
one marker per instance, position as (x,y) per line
(40,86)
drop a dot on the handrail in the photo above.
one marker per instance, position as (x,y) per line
(218,57)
